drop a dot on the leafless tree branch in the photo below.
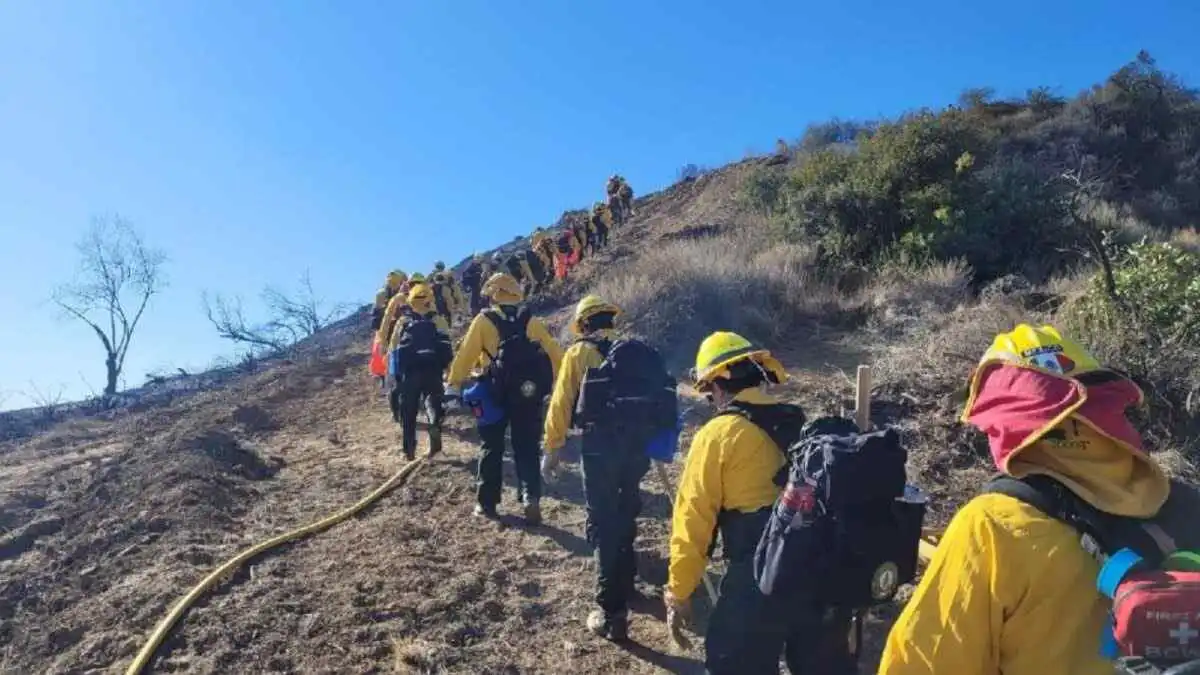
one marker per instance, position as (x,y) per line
(118,275)
(291,317)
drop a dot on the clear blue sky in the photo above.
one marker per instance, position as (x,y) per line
(254,139)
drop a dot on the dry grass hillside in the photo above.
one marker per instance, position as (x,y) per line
(107,522)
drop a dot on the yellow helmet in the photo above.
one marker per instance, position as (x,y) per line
(395,278)
(502,287)
(420,294)
(1043,348)
(588,307)
(417,278)
(722,349)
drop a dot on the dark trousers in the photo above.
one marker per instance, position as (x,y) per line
(613,467)
(526,425)
(413,387)
(747,631)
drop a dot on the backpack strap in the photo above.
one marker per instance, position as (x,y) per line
(1118,543)
(601,344)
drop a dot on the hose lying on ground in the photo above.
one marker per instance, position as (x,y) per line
(227,569)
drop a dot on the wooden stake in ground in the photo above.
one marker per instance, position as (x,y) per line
(862,398)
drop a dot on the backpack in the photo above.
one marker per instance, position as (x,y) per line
(564,242)
(440,288)
(1149,568)
(843,533)
(472,275)
(535,265)
(630,389)
(520,371)
(513,265)
(783,422)
(421,345)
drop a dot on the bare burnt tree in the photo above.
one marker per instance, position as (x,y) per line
(1085,178)
(291,317)
(118,275)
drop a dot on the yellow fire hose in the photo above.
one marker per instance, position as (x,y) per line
(227,569)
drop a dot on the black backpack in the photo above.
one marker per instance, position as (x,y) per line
(564,242)
(472,275)
(535,265)
(439,295)
(842,533)
(520,370)
(513,265)
(423,346)
(783,422)
(631,389)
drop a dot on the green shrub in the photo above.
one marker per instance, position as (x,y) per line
(1157,289)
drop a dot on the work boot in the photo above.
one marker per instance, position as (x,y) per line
(435,441)
(615,629)
(409,455)
(485,511)
(533,512)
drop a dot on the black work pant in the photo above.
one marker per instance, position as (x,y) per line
(748,632)
(415,387)
(525,422)
(613,467)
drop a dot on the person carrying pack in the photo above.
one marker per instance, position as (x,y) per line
(1016,585)
(472,280)
(617,391)
(729,485)
(422,352)
(842,537)
(445,294)
(514,353)
(395,279)
(537,271)
(600,224)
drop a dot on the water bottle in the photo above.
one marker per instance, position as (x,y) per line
(796,504)
(913,495)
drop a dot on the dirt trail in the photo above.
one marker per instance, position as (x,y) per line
(111,524)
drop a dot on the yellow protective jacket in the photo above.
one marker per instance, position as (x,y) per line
(578,358)
(1011,590)
(382,296)
(390,316)
(482,339)
(731,465)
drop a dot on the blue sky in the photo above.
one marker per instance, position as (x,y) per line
(253,140)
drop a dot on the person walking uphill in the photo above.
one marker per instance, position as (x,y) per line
(728,483)
(395,280)
(1011,589)
(512,353)
(619,394)
(422,350)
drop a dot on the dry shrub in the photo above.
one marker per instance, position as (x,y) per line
(676,294)
(900,297)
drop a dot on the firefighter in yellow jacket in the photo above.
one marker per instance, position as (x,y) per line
(395,280)
(523,413)
(1011,590)
(728,483)
(419,380)
(614,463)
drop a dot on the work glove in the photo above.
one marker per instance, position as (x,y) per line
(677,613)
(550,462)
